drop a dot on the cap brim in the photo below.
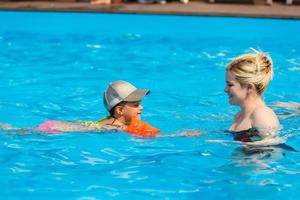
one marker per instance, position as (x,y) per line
(137,95)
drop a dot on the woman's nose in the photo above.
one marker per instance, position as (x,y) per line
(226,89)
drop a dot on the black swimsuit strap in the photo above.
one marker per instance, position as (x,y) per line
(116,125)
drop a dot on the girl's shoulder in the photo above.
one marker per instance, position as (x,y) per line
(103,125)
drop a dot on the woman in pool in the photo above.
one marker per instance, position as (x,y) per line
(247,77)
(123,102)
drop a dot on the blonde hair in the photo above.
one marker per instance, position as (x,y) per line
(253,68)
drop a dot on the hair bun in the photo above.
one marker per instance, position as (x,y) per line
(252,68)
(266,63)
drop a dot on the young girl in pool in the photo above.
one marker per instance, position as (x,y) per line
(123,102)
(247,77)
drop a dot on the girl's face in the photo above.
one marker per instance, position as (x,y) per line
(237,94)
(132,110)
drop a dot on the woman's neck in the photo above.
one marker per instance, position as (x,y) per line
(251,104)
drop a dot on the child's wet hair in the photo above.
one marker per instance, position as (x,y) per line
(254,68)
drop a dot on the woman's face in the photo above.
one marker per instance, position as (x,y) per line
(237,94)
(132,110)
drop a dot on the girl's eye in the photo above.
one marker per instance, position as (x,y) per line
(135,105)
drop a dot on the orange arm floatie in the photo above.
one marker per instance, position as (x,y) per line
(142,129)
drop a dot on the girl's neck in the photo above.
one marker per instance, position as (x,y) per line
(120,121)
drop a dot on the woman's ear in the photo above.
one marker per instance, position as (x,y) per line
(251,88)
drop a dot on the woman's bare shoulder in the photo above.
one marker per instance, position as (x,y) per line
(263,112)
(265,120)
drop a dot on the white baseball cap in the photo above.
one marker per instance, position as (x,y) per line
(120,91)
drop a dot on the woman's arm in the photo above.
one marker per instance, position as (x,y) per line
(290,109)
(266,141)
(287,105)
(184,134)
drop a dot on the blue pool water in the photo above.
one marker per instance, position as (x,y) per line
(56,66)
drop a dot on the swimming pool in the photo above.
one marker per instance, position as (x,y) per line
(56,66)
